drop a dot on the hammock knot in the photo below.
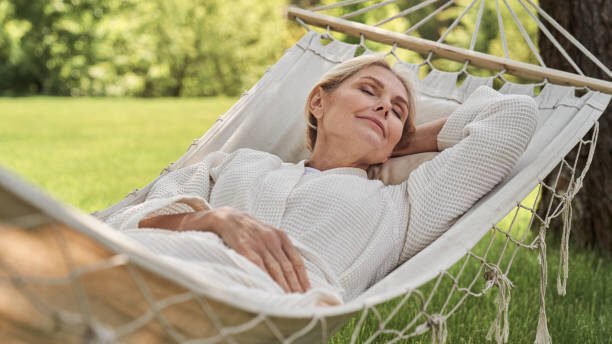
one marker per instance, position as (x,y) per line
(436,320)
(437,323)
(501,325)
(97,334)
(494,276)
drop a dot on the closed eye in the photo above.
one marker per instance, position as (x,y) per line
(366,91)
(398,114)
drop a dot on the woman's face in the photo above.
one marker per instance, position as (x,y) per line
(365,115)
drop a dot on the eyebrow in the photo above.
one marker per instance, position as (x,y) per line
(381,85)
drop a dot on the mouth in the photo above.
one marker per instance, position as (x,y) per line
(375,121)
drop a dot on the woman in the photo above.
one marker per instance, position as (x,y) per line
(320,229)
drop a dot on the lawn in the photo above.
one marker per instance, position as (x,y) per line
(91,152)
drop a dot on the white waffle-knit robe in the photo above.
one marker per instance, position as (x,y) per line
(350,230)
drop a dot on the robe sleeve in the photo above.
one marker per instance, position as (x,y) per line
(180,191)
(480,142)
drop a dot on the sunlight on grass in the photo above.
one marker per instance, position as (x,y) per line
(90,152)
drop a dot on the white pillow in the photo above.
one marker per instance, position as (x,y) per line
(396,170)
(429,108)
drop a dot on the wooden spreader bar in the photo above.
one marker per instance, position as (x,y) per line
(450,52)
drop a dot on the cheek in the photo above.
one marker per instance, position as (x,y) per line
(396,129)
(343,107)
(352,100)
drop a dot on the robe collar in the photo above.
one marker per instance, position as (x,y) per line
(353,171)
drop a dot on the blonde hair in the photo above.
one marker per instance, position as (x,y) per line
(338,74)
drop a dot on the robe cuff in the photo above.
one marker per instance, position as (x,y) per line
(162,206)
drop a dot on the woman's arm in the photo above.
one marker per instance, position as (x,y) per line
(424,138)
(481,142)
(180,191)
(267,247)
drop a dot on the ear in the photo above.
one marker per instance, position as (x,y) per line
(315,102)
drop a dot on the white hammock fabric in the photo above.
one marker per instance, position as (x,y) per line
(171,305)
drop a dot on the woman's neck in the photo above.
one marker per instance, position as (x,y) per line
(327,159)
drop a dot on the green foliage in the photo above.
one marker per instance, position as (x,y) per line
(139,48)
(45,46)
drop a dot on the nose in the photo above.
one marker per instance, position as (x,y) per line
(383,106)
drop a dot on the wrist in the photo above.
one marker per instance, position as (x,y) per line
(203,220)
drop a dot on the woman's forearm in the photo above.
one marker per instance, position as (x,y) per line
(267,247)
(200,220)
(424,139)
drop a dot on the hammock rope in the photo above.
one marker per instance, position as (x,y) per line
(367,9)
(456,22)
(571,38)
(477,26)
(502,31)
(552,39)
(525,35)
(426,19)
(406,12)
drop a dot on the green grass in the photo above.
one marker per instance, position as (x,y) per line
(91,152)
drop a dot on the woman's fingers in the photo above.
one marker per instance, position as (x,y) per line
(275,270)
(269,248)
(296,260)
(253,257)
(286,266)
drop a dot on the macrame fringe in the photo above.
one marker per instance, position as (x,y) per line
(500,326)
(542,334)
(563,270)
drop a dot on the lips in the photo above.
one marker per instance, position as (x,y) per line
(376,121)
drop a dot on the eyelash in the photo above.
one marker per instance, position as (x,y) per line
(366,91)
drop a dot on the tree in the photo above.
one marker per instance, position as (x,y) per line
(137,47)
(47,45)
(589,22)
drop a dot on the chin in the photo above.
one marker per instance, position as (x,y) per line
(376,156)
(375,144)
(372,138)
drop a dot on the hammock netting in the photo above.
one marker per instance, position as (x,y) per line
(67,277)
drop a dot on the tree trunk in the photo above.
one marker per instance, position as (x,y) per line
(589,21)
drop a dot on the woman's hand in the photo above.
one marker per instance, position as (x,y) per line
(267,247)
(424,139)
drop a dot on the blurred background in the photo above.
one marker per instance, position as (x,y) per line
(160,48)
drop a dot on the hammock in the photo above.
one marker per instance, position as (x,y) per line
(67,275)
